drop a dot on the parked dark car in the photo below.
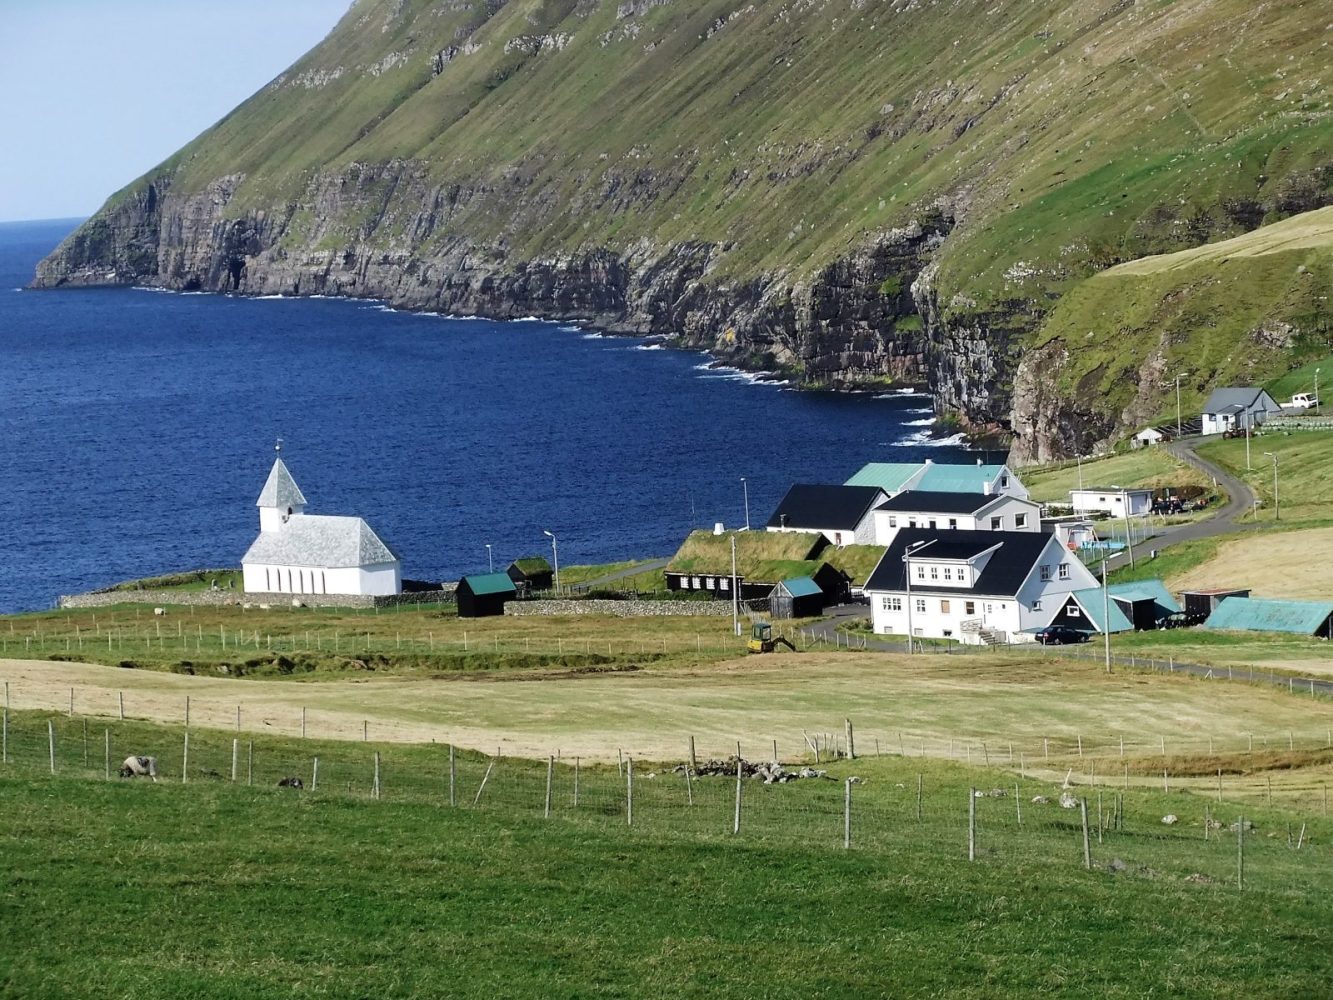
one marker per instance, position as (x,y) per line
(1060,635)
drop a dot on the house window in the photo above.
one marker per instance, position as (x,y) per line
(953,524)
(1072,610)
(698,583)
(932,524)
(944,607)
(1045,571)
(921,605)
(893,522)
(1064,571)
(1020,520)
(837,538)
(934,572)
(947,633)
(996,523)
(712,584)
(948,573)
(1036,605)
(1004,482)
(726,583)
(911,522)
(891,603)
(970,608)
(921,572)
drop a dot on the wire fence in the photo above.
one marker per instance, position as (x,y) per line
(887,805)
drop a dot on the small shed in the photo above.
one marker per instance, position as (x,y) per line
(1149,436)
(1199,604)
(484,594)
(799,597)
(1254,614)
(530,573)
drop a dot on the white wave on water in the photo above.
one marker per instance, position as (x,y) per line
(903,394)
(570,329)
(155,291)
(456,316)
(593,336)
(270,298)
(649,347)
(920,409)
(924,439)
(925,422)
(527,319)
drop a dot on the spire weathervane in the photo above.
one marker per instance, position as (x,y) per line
(278,447)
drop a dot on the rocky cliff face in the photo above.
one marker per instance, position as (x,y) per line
(856,321)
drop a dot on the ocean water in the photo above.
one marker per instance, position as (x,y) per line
(137,427)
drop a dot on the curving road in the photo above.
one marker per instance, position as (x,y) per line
(1240,499)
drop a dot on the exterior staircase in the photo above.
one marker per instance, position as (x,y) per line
(986,635)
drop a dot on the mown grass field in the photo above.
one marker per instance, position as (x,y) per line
(209,889)
(1025,702)
(1146,468)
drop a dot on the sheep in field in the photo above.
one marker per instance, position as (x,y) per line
(138,767)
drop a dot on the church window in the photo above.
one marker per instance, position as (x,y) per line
(268,582)
(289,581)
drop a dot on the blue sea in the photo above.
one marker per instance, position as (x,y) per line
(137,427)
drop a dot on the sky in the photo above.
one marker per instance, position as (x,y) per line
(97,92)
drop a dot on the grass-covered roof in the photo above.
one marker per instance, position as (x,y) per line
(761,556)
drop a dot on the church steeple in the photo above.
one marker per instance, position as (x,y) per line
(280,498)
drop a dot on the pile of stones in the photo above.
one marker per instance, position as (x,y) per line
(770,773)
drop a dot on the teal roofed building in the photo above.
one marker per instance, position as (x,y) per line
(939,477)
(1140,604)
(799,597)
(1254,614)
(483,594)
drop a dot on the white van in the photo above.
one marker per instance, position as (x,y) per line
(1303,401)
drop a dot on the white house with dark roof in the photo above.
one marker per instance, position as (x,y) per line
(1233,409)
(299,553)
(975,587)
(954,512)
(842,514)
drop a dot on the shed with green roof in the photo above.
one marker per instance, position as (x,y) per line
(797,597)
(484,594)
(530,573)
(1253,614)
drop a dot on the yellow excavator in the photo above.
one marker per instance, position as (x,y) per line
(762,641)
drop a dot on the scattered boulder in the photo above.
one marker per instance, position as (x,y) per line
(1237,827)
(769,772)
(1068,801)
(1170,819)
(1116,865)
(1041,800)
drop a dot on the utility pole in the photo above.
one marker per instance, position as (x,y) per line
(1178,378)
(1277,507)
(1106,612)
(746,487)
(908,552)
(735,591)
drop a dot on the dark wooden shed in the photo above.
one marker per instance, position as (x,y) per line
(799,597)
(530,573)
(485,594)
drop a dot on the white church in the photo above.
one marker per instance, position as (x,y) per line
(300,553)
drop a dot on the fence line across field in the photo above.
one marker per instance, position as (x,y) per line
(906,813)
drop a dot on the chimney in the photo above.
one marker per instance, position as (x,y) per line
(782,520)
(718,529)
(986,487)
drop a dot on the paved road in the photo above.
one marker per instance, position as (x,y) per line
(1240,500)
(602,581)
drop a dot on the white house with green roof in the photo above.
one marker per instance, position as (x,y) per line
(940,477)
(298,553)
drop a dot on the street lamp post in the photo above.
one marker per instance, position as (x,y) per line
(746,487)
(555,559)
(1178,378)
(1277,507)
(908,552)
(1316,392)
(1106,612)
(490,559)
(735,592)
(1080,470)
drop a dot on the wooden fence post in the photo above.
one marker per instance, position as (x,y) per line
(185,759)
(693,764)
(1240,853)
(629,792)
(1018,805)
(314,775)
(971,824)
(484,778)
(851,741)
(235,758)
(918,798)
(4,738)
(847,815)
(302,722)
(106,759)
(689,787)
(550,774)
(1087,847)
(250,762)
(736,822)
(576,782)
(51,741)
(453,776)
(376,788)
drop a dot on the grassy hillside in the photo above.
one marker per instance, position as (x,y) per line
(787,132)
(209,889)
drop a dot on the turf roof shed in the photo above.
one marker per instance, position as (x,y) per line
(531,573)
(484,594)
(703,562)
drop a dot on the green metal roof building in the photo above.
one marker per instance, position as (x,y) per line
(484,594)
(1254,614)
(798,597)
(892,477)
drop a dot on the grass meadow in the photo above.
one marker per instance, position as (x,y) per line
(206,888)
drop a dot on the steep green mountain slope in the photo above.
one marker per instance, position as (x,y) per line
(852,189)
